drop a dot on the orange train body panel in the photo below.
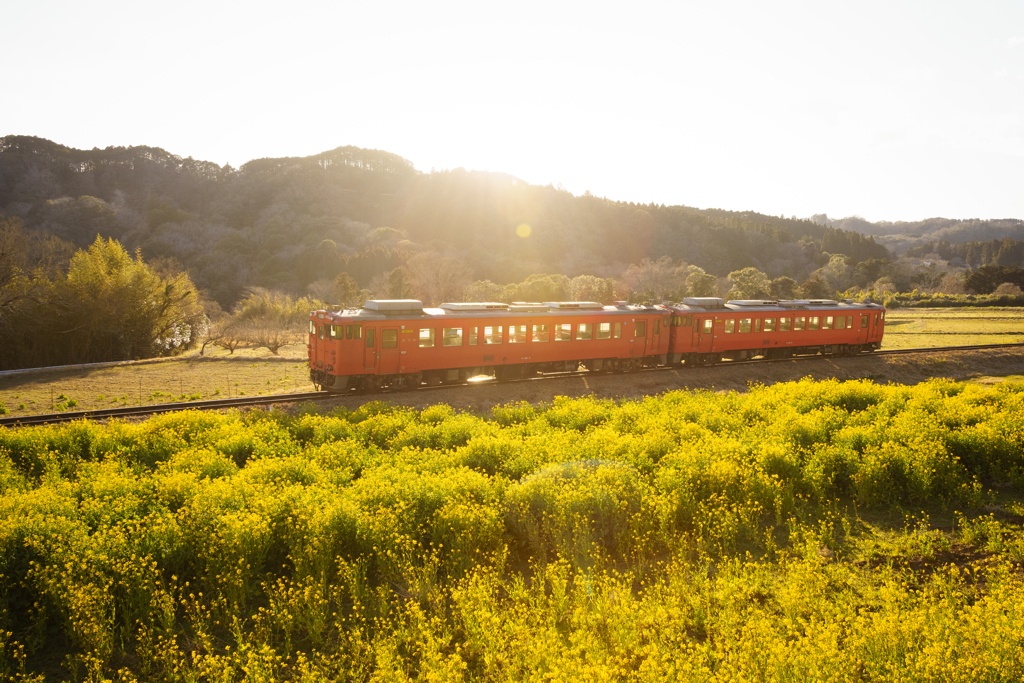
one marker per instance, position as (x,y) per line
(401,343)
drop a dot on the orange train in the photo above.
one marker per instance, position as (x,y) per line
(401,344)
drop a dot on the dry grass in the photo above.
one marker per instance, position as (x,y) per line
(217,374)
(924,328)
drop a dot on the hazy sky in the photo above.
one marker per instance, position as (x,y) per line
(891,111)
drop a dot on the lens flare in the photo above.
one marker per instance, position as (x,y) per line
(523,230)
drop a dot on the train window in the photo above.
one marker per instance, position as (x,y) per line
(541,333)
(452,336)
(883,315)
(676,321)
(745,325)
(730,326)
(617,334)
(813,322)
(312,327)
(863,321)
(826,324)
(757,325)
(799,323)
(348,332)
(563,332)
(389,339)
(709,326)
(369,337)
(641,328)
(686,320)
(320,331)
(517,334)
(841,323)
(849,321)
(426,338)
(357,332)
(472,336)
(657,326)
(604,330)
(585,331)
(769,324)
(783,324)
(492,335)
(876,319)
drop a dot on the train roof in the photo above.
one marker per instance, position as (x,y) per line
(387,309)
(715,304)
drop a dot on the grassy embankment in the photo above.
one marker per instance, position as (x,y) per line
(803,531)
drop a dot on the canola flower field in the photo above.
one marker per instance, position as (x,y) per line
(804,531)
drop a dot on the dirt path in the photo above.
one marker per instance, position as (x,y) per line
(908,369)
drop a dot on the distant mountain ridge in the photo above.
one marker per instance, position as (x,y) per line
(903,235)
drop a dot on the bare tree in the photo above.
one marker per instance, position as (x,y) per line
(438,278)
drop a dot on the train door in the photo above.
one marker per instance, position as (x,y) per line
(311,344)
(390,356)
(641,334)
(703,334)
(370,349)
(656,335)
(320,341)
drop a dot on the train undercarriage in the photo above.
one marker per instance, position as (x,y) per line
(324,381)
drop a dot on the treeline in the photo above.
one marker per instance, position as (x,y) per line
(59,306)
(286,224)
(1004,252)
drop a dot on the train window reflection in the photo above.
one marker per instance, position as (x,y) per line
(813,323)
(563,332)
(769,324)
(745,325)
(604,330)
(426,338)
(541,333)
(784,324)
(389,339)
(452,336)
(585,331)
(492,335)
(730,326)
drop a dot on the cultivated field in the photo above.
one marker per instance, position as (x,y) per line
(831,530)
(913,328)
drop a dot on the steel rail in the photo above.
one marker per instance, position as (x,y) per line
(240,402)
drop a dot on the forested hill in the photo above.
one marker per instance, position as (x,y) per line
(901,236)
(285,223)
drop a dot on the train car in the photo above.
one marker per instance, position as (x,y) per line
(707,330)
(401,344)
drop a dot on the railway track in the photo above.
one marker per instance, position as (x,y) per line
(251,401)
